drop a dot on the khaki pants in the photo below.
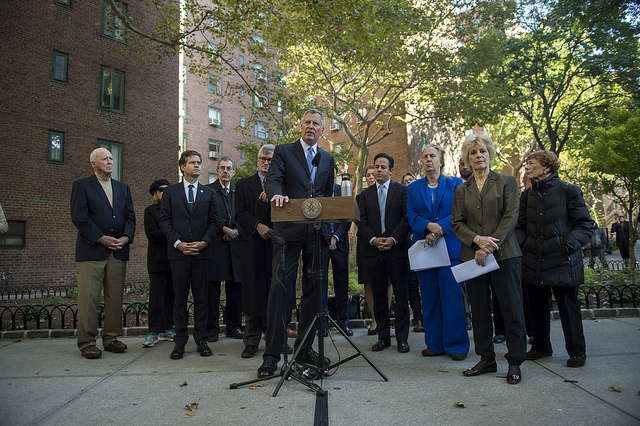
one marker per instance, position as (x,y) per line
(93,276)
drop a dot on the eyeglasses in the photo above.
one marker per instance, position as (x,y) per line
(265,159)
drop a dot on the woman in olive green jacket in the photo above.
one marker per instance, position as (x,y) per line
(484,217)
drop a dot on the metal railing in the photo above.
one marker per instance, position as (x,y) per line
(64,316)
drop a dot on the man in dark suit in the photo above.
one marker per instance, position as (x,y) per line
(102,211)
(254,217)
(299,170)
(383,224)
(336,235)
(621,229)
(226,257)
(190,222)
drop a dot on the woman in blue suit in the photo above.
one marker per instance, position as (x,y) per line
(429,202)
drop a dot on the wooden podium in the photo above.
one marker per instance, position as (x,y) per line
(332,209)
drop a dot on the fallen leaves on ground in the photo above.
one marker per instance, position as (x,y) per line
(192,406)
(459,404)
(183,384)
(615,389)
(254,387)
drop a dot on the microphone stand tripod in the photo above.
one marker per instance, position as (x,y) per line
(322,319)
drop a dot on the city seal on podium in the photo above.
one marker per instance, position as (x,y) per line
(311,208)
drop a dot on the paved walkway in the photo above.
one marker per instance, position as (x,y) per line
(46,381)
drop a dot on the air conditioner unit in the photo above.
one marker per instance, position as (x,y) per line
(214,155)
(335,125)
(214,122)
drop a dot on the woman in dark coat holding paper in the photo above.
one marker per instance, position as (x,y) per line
(429,203)
(553,225)
(484,216)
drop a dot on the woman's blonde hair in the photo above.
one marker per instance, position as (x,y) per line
(481,139)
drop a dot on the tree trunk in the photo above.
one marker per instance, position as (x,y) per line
(632,242)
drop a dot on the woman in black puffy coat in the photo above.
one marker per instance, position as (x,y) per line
(553,225)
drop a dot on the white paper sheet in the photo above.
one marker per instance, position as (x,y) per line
(470,269)
(423,256)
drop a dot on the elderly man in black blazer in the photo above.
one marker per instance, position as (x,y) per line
(226,257)
(102,211)
(384,226)
(299,170)
(254,217)
(190,221)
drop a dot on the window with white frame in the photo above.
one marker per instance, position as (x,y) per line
(260,130)
(215,85)
(215,149)
(243,121)
(260,72)
(215,117)
(259,100)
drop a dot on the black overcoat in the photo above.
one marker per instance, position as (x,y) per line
(553,225)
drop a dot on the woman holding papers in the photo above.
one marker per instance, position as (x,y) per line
(484,216)
(429,203)
(553,226)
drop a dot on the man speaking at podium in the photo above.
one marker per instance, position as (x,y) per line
(298,170)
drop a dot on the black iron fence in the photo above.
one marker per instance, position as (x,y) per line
(64,316)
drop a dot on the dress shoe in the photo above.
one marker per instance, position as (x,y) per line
(534,354)
(403,347)
(213,338)
(418,327)
(498,338)
(380,345)
(458,356)
(234,333)
(286,348)
(429,352)
(576,361)
(513,374)
(312,357)
(91,352)
(115,346)
(481,368)
(204,349)
(346,329)
(292,333)
(372,331)
(249,351)
(177,352)
(268,368)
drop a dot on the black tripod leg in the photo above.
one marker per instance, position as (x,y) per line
(358,350)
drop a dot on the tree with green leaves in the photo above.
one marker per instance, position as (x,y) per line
(362,64)
(614,159)
(552,66)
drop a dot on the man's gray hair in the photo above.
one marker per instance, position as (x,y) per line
(266,149)
(226,158)
(94,154)
(315,111)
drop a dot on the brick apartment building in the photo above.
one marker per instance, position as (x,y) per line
(69,83)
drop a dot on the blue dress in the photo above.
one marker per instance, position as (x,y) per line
(443,311)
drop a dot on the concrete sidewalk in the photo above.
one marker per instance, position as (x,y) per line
(46,381)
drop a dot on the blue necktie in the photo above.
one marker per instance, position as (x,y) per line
(190,196)
(382,200)
(312,169)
